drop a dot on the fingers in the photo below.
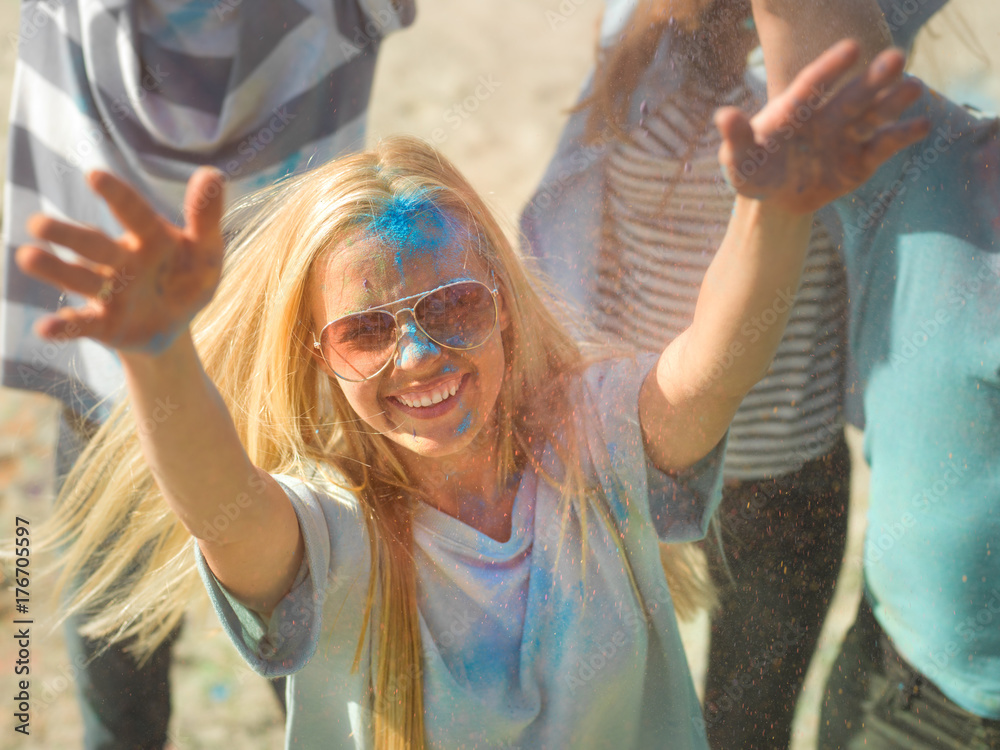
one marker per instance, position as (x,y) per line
(892,139)
(204,204)
(87,242)
(70,323)
(818,79)
(47,267)
(857,96)
(887,108)
(127,204)
(893,102)
(737,135)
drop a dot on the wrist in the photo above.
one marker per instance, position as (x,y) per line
(159,352)
(770,214)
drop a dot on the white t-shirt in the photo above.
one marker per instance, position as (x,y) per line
(521,649)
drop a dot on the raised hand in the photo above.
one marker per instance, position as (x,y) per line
(815,142)
(143,288)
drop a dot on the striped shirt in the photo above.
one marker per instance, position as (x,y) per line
(666,213)
(151,89)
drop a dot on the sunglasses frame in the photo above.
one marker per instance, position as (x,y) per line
(418,298)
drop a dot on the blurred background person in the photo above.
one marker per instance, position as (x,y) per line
(149,90)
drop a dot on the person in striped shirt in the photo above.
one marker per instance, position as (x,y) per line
(151,89)
(628,219)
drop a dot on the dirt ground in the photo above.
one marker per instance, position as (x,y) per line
(489,83)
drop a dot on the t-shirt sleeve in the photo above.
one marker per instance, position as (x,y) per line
(336,553)
(678,504)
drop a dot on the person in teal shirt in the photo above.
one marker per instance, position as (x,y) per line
(923,261)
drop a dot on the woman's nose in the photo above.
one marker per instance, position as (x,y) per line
(414,347)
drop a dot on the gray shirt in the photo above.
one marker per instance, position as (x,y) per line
(525,643)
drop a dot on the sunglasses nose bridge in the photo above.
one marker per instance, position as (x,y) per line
(412,341)
(401,323)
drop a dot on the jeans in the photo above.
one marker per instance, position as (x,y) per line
(875,700)
(783,541)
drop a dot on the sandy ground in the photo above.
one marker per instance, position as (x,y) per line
(489,83)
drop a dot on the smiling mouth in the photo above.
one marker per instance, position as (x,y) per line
(432,397)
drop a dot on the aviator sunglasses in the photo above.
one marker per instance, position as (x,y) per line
(461,315)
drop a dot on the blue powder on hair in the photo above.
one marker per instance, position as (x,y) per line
(412,224)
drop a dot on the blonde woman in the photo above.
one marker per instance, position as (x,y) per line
(404,484)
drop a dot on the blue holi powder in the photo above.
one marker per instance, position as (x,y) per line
(412,224)
(466,421)
(159,343)
(416,345)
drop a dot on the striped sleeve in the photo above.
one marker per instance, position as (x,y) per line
(150,90)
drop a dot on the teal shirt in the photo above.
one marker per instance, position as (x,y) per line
(923,257)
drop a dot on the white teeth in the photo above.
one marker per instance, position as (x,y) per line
(429,399)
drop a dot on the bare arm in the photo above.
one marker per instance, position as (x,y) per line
(795,32)
(166,275)
(687,403)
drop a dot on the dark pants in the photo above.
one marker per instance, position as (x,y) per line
(875,700)
(123,706)
(783,540)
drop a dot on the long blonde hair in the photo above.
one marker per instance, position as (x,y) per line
(254,339)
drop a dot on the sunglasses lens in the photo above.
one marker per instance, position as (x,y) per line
(357,346)
(461,316)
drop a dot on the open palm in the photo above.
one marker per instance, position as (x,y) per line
(142,288)
(814,142)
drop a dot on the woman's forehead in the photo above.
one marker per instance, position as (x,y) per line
(365,272)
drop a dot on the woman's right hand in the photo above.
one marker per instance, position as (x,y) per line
(144,288)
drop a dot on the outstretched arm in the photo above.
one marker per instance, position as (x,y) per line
(143,291)
(784,166)
(795,32)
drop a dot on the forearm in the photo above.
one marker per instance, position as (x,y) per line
(743,306)
(795,32)
(244,522)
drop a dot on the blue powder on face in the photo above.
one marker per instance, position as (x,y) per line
(415,345)
(412,224)
(466,421)
(159,343)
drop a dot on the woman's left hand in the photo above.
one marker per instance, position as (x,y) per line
(815,142)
